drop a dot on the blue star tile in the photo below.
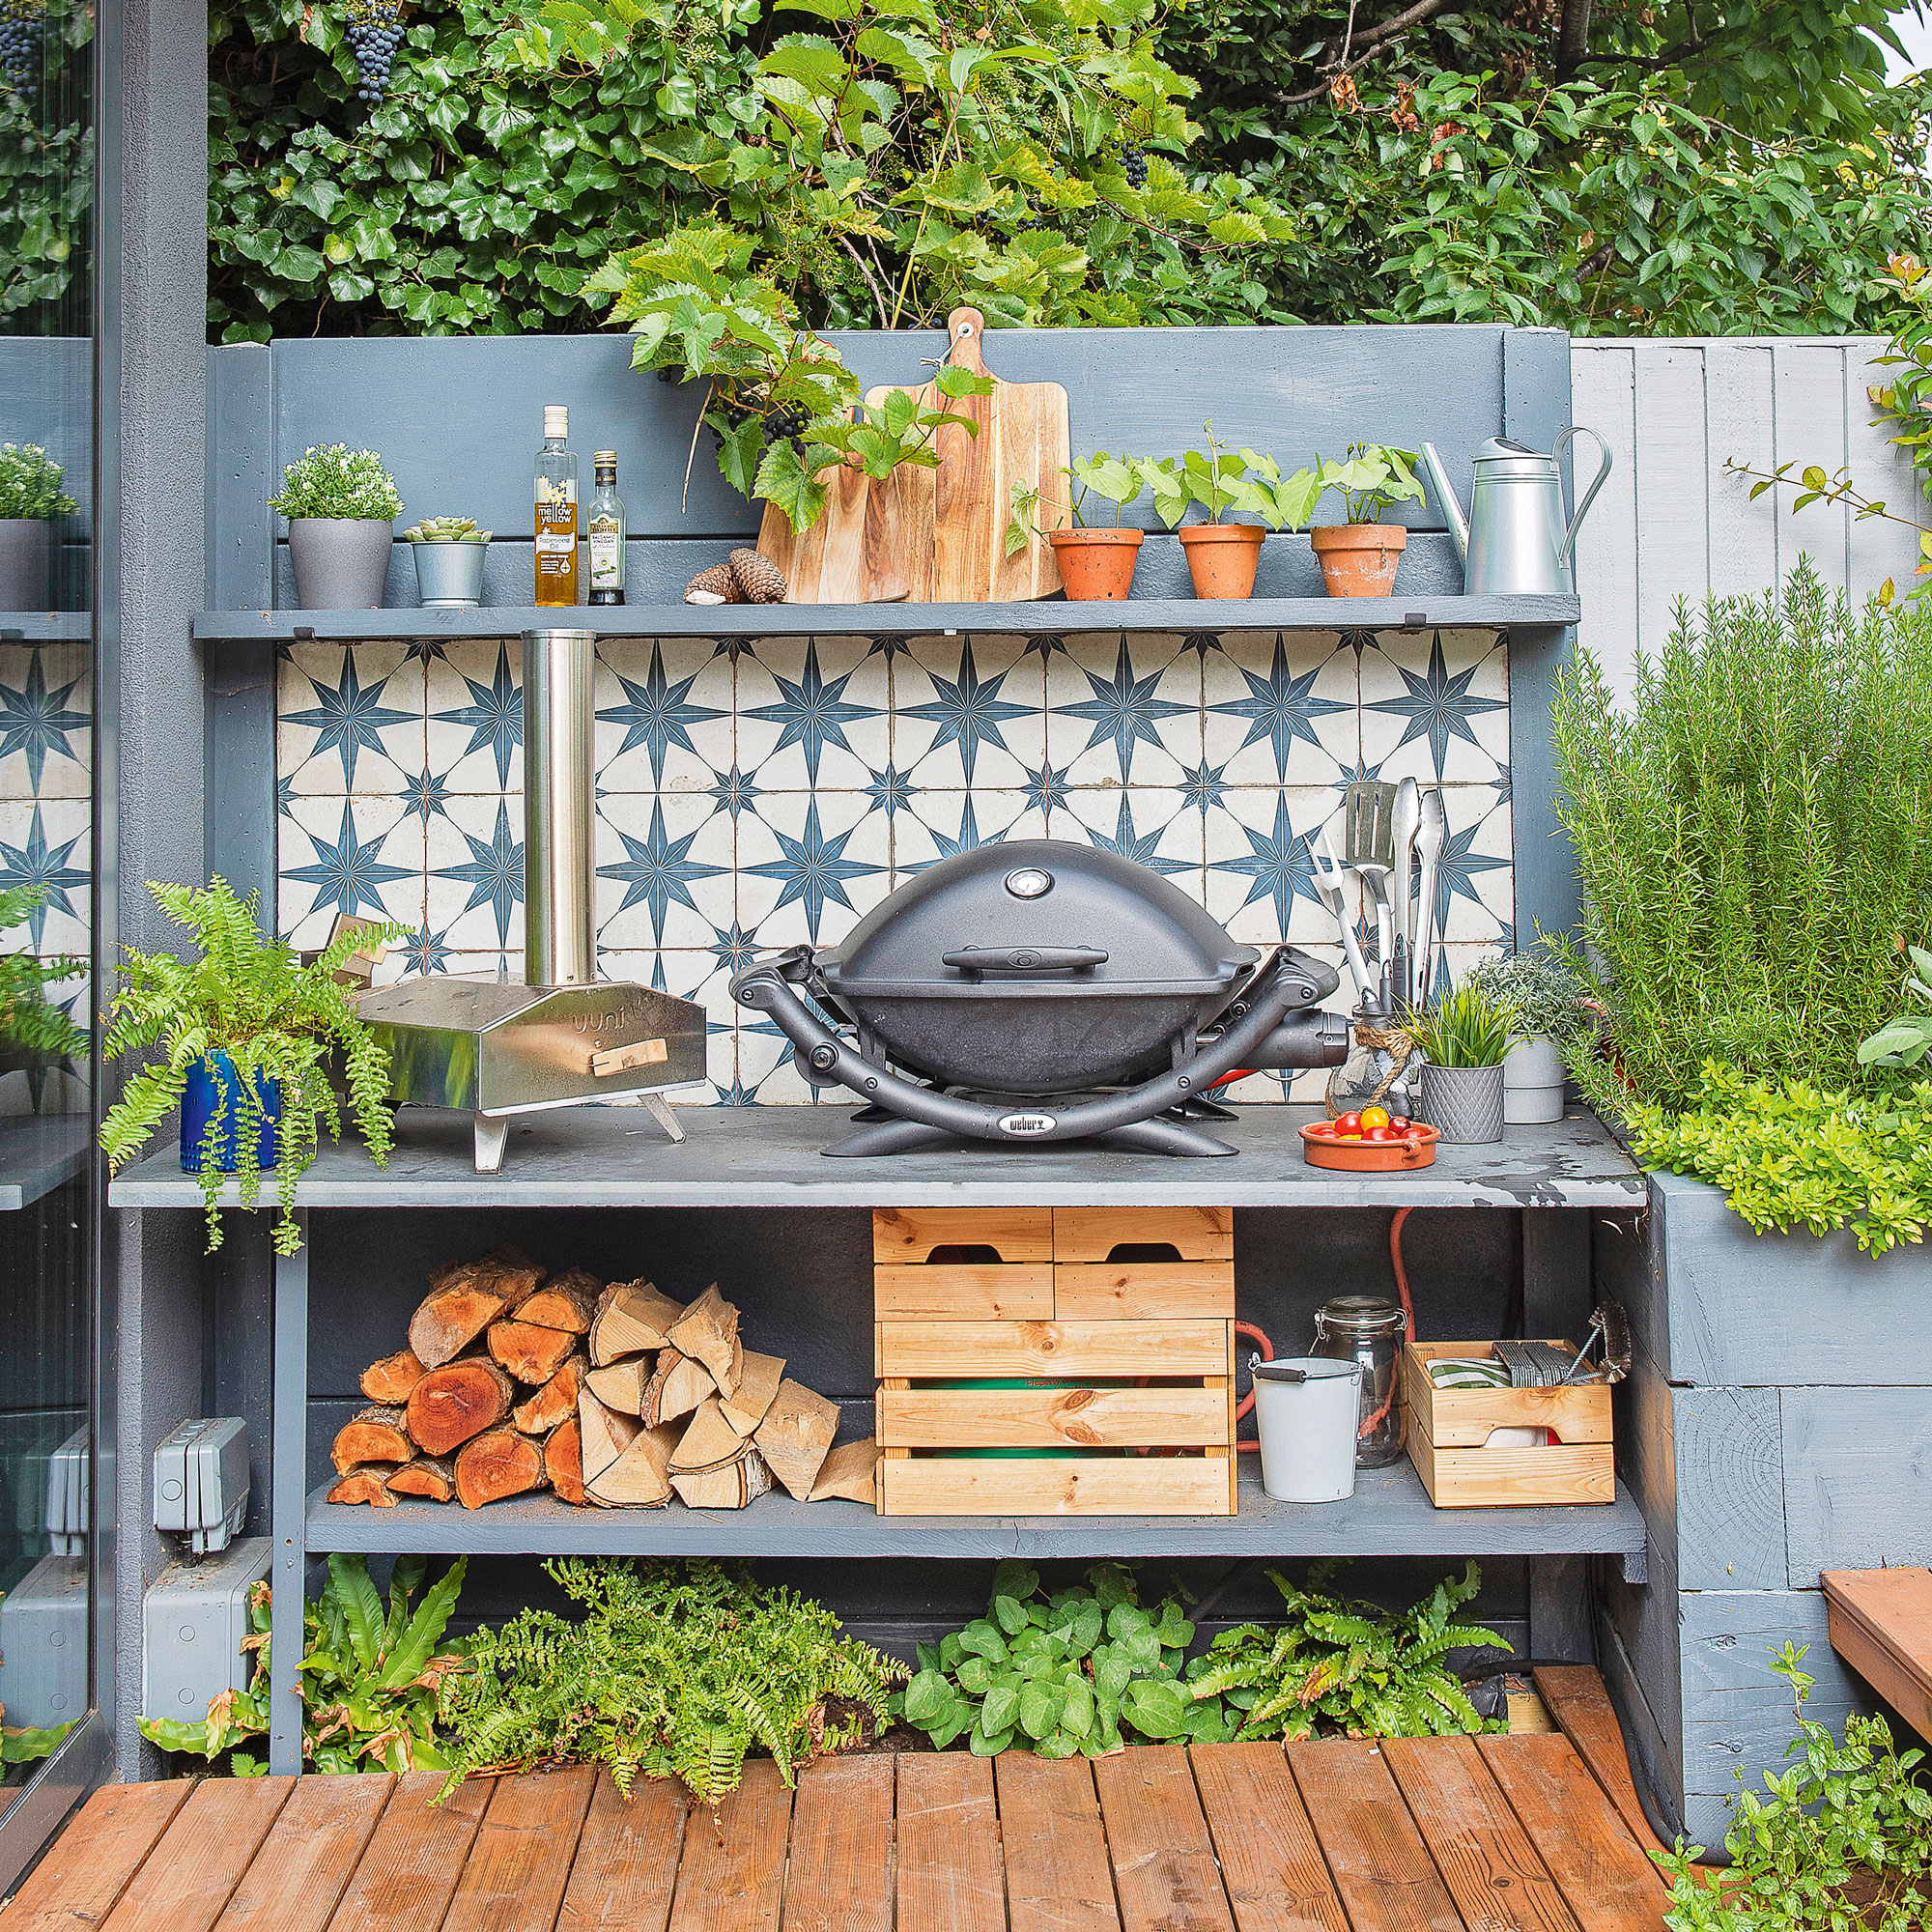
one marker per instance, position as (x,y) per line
(733,948)
(349,871)
(1457,871)
(426,794)
(1437,706)
(658,871)
(1280,708)
(811,713)
(1046,788)
(48,867)
(889,790)
(494,715)
(1123,710)
(658,714)
(967,711)
(968,840)
(1277,866)
(1204,787)
(494,872)
(812,869)
(425,951)
(1143,848)
(348,717)
(734,792)
(35,721)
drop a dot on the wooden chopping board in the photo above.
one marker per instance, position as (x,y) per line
(938,536)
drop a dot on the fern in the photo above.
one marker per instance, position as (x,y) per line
(674,1670)
(277,1020)
(27,1018)
(1351,1664)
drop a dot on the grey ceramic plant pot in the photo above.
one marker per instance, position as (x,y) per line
(340,562)
(1533,1080)
(450,575)
(1463,1103)
(26,543)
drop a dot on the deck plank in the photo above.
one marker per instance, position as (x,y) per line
(187,1879)
(1479,1845)
(840,1875)
(1058,1877)
(627,1857)
(732,1875)
(304,1863)
(514,1878)
(948,1845)
(1270,1861)
(414,1857)
(1382,1870)
(1577,1700)
(1609,1884)
(1165,1874)
(101,1848)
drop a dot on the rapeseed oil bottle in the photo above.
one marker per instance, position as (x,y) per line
(556,511)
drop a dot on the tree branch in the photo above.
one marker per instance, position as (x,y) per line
(1367,42)
(1572,38)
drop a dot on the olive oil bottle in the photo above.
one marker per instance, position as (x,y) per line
(606,526)
(556,511)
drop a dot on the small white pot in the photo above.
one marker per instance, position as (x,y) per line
(1533,1078)
(1308,1429)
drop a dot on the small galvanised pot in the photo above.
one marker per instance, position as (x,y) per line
(341,563)
(450,575)
(26,544)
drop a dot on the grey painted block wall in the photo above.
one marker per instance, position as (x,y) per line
(1777,1423)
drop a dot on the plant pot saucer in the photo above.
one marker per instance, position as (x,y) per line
(1416,1148)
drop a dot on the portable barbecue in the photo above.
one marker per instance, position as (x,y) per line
(1039,991)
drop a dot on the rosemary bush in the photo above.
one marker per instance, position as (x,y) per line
(676,1671)
(337,481)
(1751,833)
(1549,1000)
(29,484)
(246,996)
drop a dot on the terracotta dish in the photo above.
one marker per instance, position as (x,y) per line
(1320,1148)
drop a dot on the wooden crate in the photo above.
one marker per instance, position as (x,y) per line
(1447,1433)
(1070,1336)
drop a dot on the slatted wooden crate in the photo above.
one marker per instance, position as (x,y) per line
(1447,1435)
(1024,1337)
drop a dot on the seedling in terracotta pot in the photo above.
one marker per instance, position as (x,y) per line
(1221,557)
(1096,564)
(1359,554)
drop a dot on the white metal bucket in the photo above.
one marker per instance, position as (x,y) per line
(1308,1430)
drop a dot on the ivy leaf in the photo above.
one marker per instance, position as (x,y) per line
(1155,1709)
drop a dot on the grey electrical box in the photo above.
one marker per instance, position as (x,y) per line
(67,1496)
(44,1644)
(193,1620)
(201,1481)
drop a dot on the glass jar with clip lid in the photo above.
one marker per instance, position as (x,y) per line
(1369,1329)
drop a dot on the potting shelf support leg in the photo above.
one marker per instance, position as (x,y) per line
(288,1505)
(1556,1298)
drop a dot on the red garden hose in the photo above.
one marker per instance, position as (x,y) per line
(1247,1402)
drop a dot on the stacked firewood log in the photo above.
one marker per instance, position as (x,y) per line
(611,1394)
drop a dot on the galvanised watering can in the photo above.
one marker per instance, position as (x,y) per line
(1514,540)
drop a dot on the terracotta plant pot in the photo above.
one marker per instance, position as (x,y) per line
(1360,559)
(1096,565)
(1222,557)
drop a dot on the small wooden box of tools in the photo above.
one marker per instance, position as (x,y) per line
(1448,1434)
(1055,1362)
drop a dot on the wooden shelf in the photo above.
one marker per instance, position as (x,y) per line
(1049,618)
(772,1158)
(45,627)
(37,1153)
(1389,1514)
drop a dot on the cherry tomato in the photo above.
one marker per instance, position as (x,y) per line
(1397,1125)
(1381,1134)
(1349,1125)
(1321,1130)
(1374,1116)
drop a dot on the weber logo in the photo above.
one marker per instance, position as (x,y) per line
(1027,1124)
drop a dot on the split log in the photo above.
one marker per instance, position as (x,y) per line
(566,1301)
(498,1464)
(603,1434)
(372,1436)
(797,1432)
(554,1403)
(708,1442)
(530,1353)
(675,1388)
(563,1461)
(464,1298)
(622,1384)
(631,1318)
(708,1331)
(431,1476)
(366,1482)
(391,1379)
(456,1402)
(851,1471)
(757,1383)
(638,1479)
(730,1487)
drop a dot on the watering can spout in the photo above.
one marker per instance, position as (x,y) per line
(1445,498)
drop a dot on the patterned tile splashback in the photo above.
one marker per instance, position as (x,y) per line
(758,794)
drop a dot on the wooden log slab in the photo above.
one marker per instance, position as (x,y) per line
(366,1482)
(622,1384)
(708,1331)
(675,1388)
(532,1354)
(638,1478)
(796,1435)
(604,1434)
(433,1477)
(390,1381)
(851,1472)
(374,1434)
(757,1383)
(632,1319)
(731,1487)
(556,1401)
(498,1464)
(456,1402)
(464,1298)
(566,1301)
(706,1442)
(563,1461)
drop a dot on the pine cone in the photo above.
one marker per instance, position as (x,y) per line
(715,585)
(761,579)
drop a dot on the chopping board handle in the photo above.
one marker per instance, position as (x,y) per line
(967,328)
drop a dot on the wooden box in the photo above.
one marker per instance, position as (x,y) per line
(1007,1334)
(1447,1435)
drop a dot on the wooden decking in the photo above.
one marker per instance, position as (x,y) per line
(1441,1835)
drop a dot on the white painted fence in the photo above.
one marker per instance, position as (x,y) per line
(1673,523)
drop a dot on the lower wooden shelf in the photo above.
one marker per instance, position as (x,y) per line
(1388,1516)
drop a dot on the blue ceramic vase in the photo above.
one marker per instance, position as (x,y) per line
(205,1098)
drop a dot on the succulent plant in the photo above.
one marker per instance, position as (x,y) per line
(447,530)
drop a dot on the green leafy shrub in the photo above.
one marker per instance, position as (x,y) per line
(1466,1027)
(1060,1675)
(337,481)
(1349,1663)
(1906,1040)
(1840,1842)
(1750,831)
(249,997)
(28,1018)
(674,1670)
(369,1679)
(1542,992)
(29,484)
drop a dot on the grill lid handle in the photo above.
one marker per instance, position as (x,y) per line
(1024,958)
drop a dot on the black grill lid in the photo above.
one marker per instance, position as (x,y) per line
(1030,917)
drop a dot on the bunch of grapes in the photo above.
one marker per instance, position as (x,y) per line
(375,33)
(1133,164)
(21,46)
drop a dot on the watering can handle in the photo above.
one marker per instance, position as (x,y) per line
(1563,442)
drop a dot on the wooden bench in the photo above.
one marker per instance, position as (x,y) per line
(1880,1623)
